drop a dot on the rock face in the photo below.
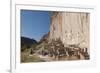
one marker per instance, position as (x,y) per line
(72,28)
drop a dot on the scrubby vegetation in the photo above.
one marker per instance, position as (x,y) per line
(26,57)
(26,43)
(53,50)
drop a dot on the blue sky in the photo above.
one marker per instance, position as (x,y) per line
(34,24)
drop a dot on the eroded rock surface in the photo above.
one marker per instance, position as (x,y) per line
(71,27)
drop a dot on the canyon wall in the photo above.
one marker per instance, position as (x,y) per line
(72,28)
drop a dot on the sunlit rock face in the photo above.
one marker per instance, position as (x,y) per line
(72,28)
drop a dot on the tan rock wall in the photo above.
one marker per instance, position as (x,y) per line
(71,28)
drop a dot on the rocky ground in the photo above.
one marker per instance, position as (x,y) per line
(55,51)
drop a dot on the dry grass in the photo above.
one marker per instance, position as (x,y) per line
(25,57)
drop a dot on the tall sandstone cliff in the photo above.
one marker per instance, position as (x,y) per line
(72,28)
